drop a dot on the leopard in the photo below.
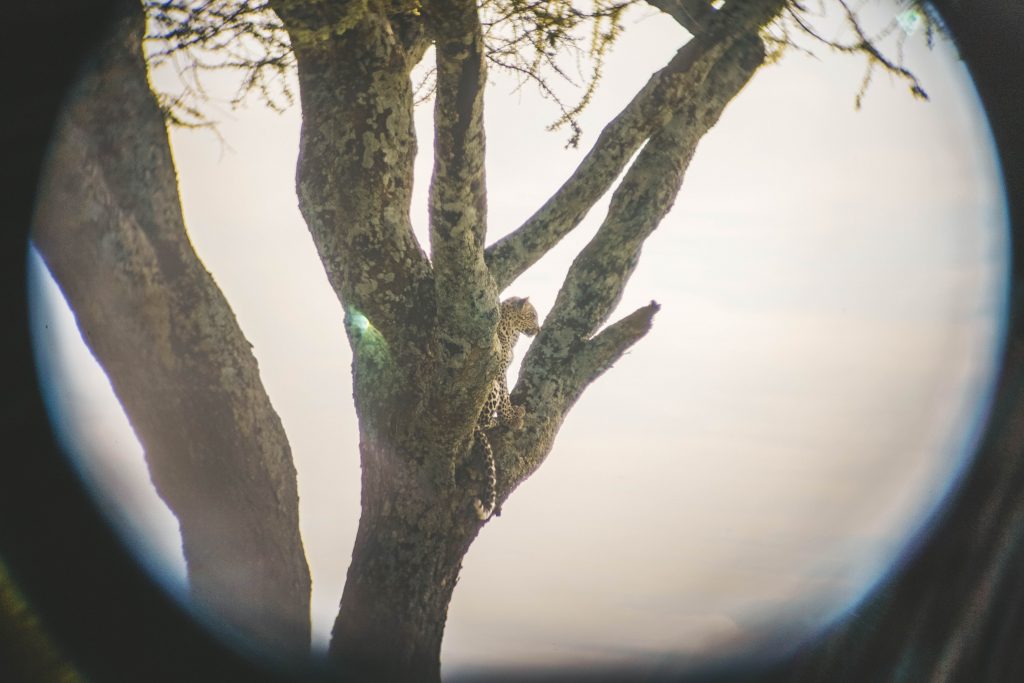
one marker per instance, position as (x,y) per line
(516,316)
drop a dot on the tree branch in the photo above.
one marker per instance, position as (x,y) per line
(355,167)
(605,348)
(467,300)
(110,229)
(562,361)
(861,44)
(598,276)
(676,85)
(309,23)
(690,14)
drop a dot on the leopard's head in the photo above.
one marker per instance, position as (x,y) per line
(521,314)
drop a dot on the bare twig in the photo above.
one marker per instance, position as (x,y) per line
(194,37)
(859,43)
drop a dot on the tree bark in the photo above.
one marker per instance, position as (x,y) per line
(408,553)
(111,232)
(423,331)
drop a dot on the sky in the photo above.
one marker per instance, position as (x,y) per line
(832,285)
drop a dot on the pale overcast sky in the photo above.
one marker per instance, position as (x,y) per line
(832,284)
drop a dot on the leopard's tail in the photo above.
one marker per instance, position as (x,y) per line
(484,510)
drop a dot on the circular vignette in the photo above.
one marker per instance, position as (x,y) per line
(940,606)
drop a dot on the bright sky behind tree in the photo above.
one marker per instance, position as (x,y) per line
(833,291)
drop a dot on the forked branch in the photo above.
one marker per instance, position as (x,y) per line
(677,85)
(567,355)
(598,276)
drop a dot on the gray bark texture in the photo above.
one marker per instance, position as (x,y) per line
(111,232)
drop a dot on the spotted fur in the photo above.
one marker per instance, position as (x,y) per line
(517,316)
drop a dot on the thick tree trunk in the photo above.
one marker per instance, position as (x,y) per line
(109,228)
(405,564)
(416,523)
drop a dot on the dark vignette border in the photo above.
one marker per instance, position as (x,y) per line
(953,612)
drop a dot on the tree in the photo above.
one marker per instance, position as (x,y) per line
(422,329)
(112,234)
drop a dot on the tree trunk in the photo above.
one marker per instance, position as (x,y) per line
(405,564)
(416,523)
(110,229)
